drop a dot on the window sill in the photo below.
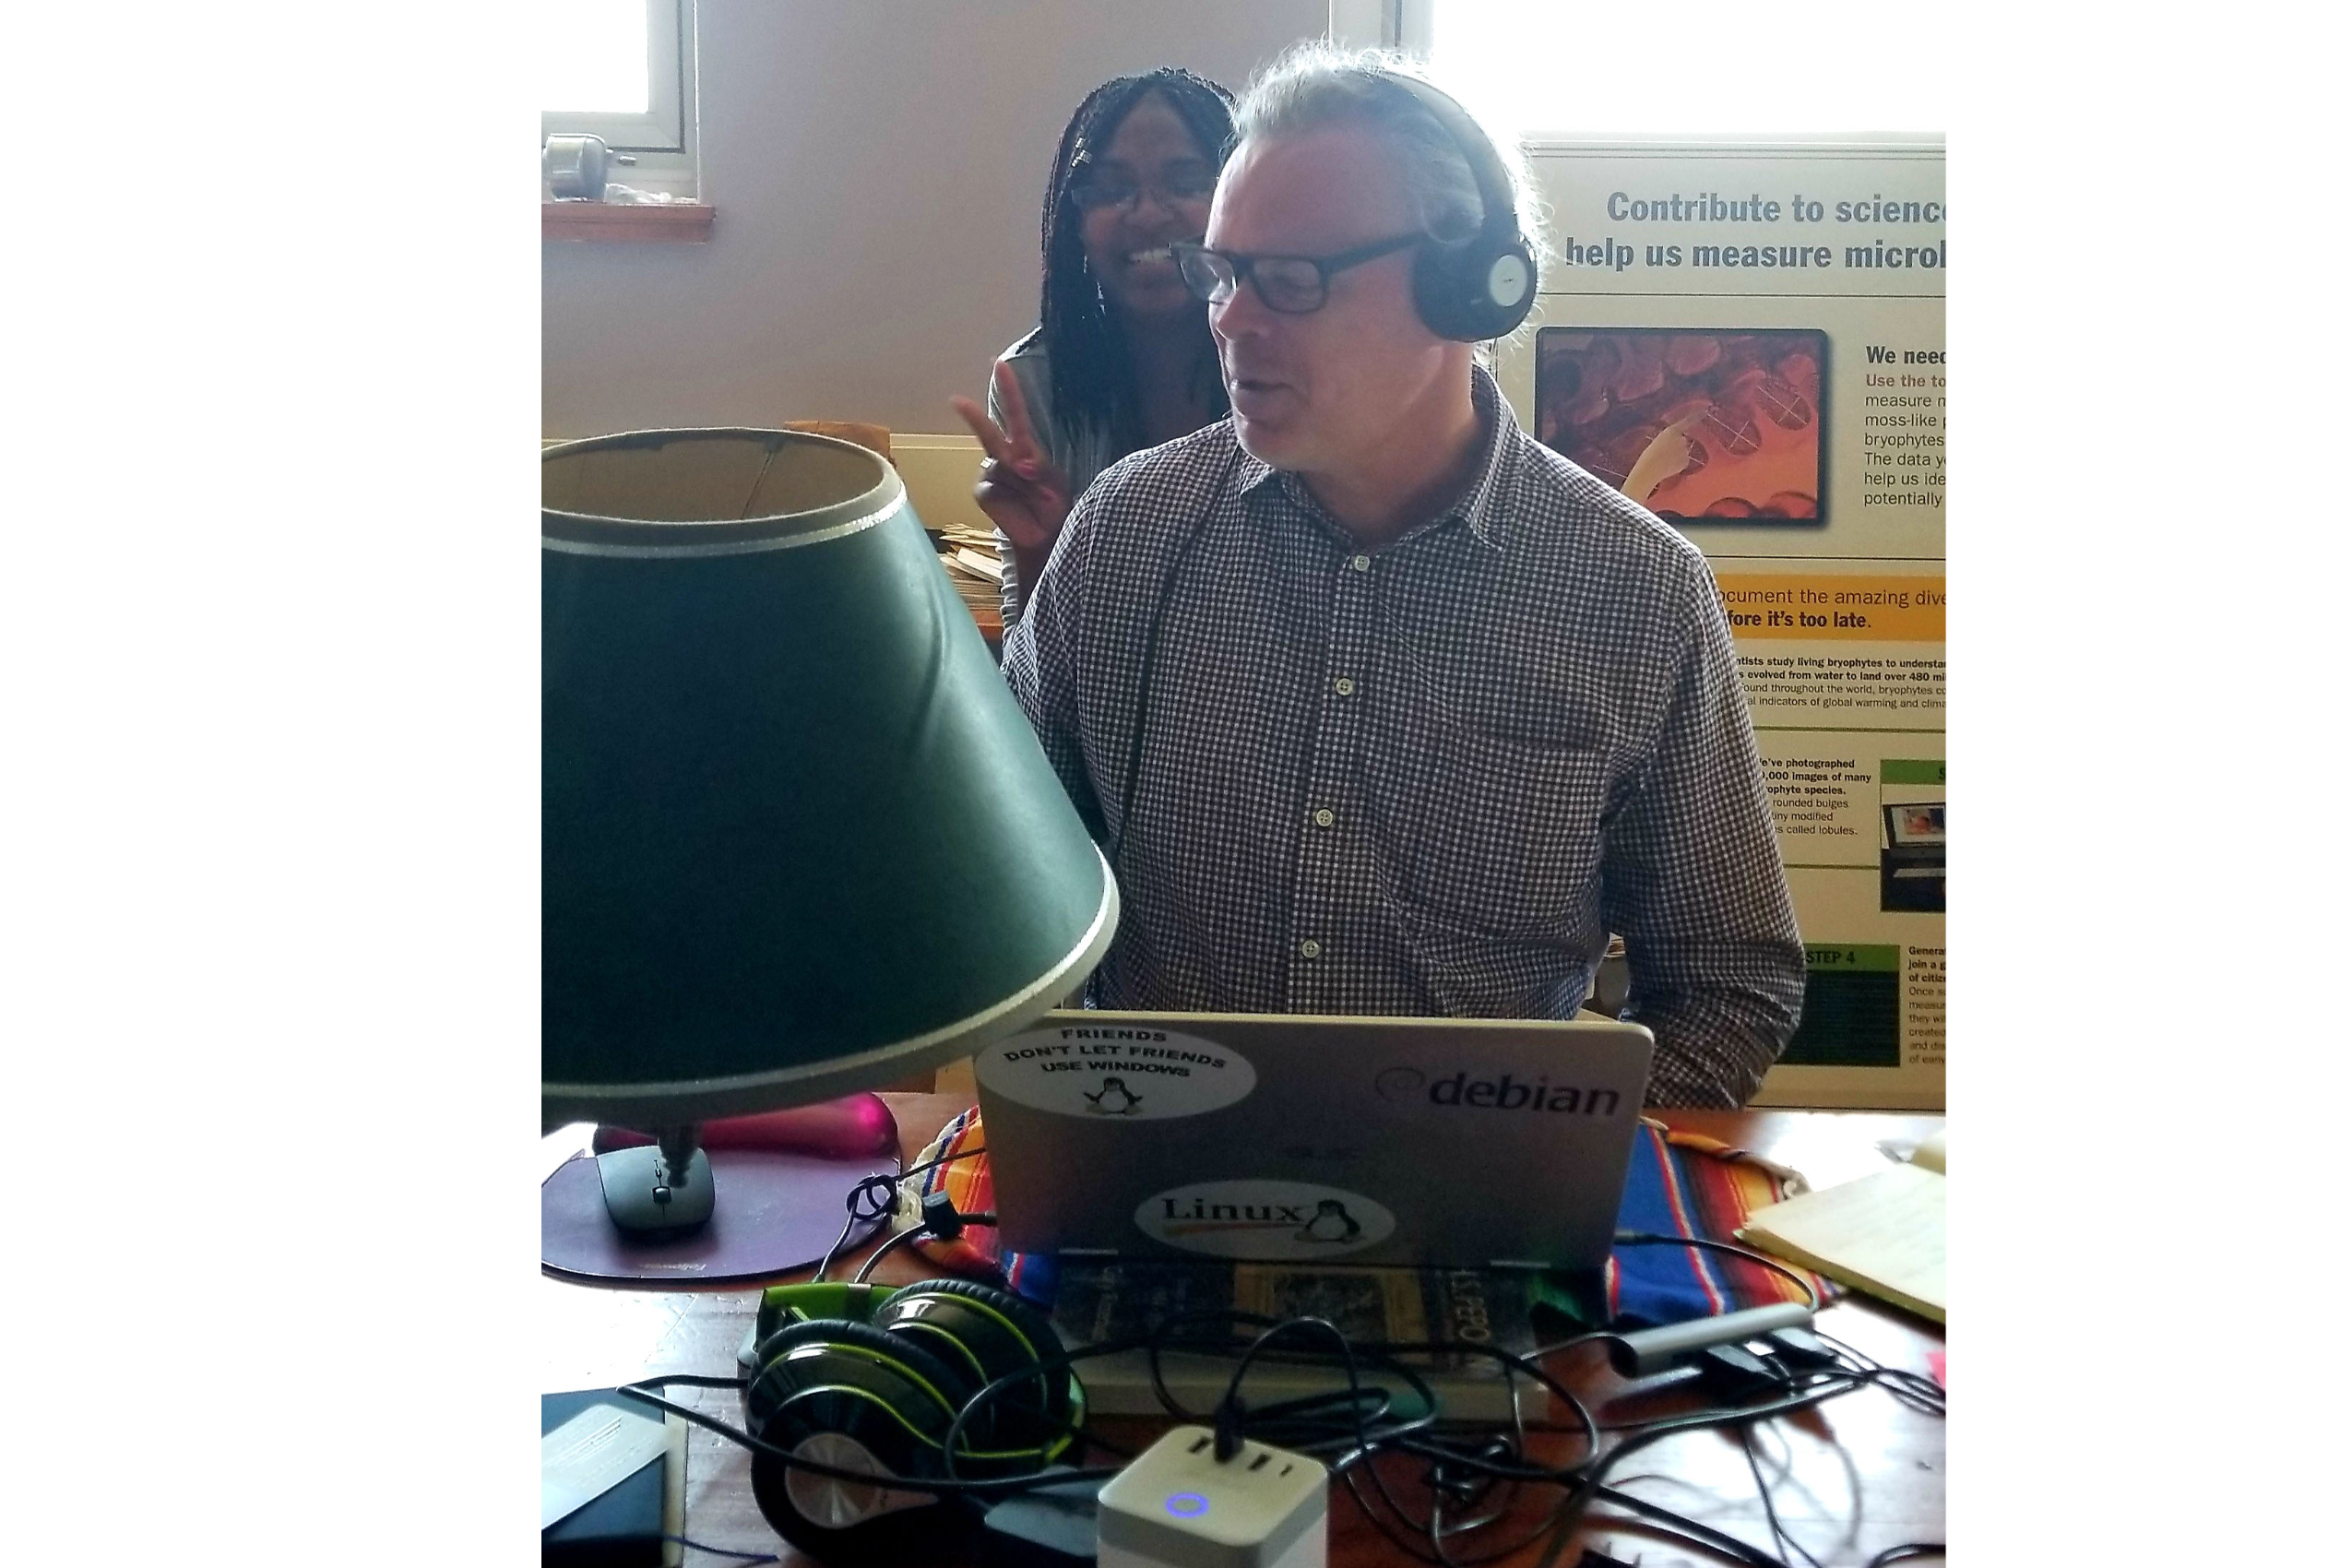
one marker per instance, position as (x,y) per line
(680,222)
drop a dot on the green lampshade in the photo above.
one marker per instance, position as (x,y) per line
(797,838)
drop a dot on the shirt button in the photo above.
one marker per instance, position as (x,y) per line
(1362,563)
(1343,686)
(1311,948)
(1324,817)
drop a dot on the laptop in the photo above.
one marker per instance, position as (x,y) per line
(1456,1142)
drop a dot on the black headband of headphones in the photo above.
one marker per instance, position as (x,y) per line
(1499,212)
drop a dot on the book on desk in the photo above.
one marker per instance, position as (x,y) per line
(1099,1300)
(1883,1234)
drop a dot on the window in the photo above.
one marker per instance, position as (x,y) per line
(623,70)
(1708,67)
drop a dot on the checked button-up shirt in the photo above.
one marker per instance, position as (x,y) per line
(1429,779)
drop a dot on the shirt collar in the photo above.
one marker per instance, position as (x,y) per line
(1480,505)
(1248,472)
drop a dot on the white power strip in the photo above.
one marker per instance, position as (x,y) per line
(1177,1505)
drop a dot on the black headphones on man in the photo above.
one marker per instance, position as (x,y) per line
(1482,286)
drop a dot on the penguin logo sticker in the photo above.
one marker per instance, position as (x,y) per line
(1332,1223)
(1134,1072)
(1115,1098)
(1264,1220)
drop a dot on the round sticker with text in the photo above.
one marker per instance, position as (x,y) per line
(1118,1073)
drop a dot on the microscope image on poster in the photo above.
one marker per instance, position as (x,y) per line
(1699,426)
(1910,865)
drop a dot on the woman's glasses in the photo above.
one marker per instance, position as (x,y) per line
(1294,285)
(1186,183)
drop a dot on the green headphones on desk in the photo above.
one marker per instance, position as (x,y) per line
(871,1378)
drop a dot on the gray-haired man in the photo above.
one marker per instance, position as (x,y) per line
(1379,706)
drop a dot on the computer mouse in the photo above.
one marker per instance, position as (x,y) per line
(649,1202)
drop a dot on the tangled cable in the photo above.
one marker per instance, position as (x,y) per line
(1474,1481)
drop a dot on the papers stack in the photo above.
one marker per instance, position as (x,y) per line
(969,554)
(1882,1233)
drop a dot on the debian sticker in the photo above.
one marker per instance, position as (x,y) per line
(1256,1220)
(1114,1073)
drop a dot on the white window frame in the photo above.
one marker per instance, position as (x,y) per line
(663,138)
(1382,24)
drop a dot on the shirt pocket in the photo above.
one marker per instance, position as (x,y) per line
(1495,835)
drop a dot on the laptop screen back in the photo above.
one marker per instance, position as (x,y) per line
(1421,1141)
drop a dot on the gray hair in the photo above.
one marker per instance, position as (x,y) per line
(1316,84)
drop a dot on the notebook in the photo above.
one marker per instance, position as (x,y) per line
(1883,1234)
(624,1527)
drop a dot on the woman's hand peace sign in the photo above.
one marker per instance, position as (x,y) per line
(1019,488)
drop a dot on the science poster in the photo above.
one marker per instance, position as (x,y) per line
(1748,338)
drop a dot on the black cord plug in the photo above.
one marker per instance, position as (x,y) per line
(940,1218)
(1734,1371)
(1230,1416)
(1801,1347)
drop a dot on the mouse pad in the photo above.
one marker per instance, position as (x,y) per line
(773,1212)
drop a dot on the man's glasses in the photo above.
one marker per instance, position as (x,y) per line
(1094,189)
(1294,285)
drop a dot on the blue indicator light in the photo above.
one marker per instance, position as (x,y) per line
(1188,1505)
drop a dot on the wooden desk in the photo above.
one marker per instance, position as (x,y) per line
(1849,1479)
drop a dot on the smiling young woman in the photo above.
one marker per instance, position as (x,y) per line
(1121,357)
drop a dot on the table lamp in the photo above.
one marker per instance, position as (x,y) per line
(797,838)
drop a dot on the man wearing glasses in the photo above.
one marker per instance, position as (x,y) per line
(1376,705)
